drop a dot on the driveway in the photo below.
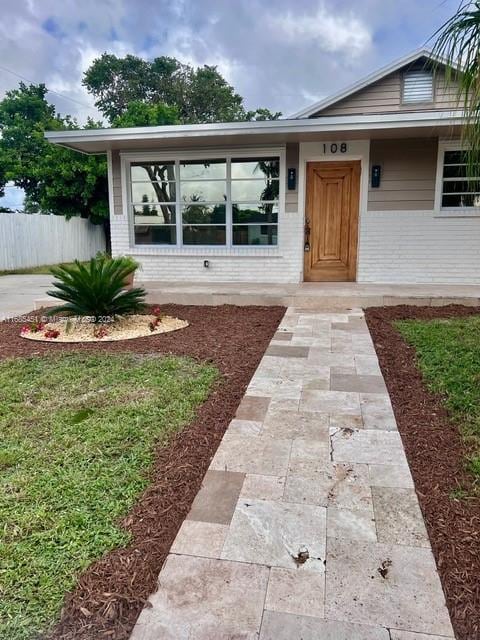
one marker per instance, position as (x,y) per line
(18,293)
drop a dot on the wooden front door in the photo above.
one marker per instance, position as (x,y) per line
(331,229)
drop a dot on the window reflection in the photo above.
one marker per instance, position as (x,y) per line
(205,202)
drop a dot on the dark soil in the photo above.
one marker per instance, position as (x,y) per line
(111,593)
(436,454)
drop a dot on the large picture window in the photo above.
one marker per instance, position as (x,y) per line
(229,201)
(458,190)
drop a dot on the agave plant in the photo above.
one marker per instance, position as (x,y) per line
(96,289)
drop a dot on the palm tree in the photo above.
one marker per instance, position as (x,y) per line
(458,41)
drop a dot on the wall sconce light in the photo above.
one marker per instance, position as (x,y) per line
(376,173)
(292,179)
(206,264)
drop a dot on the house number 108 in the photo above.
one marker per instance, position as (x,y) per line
(335,148)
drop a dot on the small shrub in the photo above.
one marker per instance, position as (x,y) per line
(96,289)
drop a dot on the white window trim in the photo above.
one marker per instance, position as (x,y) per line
(449,212)
(127,158)
(423,101)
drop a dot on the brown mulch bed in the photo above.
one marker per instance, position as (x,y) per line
(111,593)
(436,455)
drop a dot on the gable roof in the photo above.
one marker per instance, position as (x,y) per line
(370,79)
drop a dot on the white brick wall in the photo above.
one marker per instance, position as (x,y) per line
(417,247)
(277,264)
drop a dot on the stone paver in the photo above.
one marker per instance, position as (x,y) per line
(271,533)
(398,517)
(281,626)
(307,525)
(391,585)
(203,599)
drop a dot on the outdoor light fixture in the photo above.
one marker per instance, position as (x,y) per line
(206,264)
(292,179)
(376,172)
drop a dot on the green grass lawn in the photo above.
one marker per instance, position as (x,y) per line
(44,268)
(77,435)
(448,354)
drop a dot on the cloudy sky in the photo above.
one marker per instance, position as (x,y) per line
(278,54)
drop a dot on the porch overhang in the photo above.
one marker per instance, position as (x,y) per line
(232,134)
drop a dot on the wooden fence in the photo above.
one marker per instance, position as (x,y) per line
(31,240)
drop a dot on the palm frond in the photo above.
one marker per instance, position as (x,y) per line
(96,289)
(457,42)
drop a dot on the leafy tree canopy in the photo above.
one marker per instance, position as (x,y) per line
(141,114)
(54,179)
(130,92)
(200,95)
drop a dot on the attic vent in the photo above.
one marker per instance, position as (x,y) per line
(417,87)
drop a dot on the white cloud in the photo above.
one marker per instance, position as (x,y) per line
(330,30)
(279,54)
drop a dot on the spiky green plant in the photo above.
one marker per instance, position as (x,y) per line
(457,43)
(96,289)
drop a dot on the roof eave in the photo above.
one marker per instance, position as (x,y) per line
(81,139)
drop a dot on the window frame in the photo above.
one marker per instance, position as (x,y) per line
(128,158)
(439,210)
(413,103)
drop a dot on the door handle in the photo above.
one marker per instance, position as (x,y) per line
(306,246)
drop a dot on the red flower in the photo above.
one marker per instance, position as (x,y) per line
(51,333)
(100,332)
(156,310)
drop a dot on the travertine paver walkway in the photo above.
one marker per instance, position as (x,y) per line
(307,525)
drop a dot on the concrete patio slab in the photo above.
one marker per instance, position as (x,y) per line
(307,525)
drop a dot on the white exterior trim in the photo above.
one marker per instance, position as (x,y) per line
(126,158)
(439,211)
(313,152)
(110,184)
(370,79)
(80,140)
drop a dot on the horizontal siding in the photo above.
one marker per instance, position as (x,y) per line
(385,96)
(408,172)
(291,197)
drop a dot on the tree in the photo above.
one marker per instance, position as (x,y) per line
(141,114)
(199,95)
(458,40)
(54,179)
